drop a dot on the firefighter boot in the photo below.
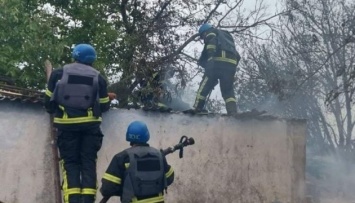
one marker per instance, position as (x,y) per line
(198,108)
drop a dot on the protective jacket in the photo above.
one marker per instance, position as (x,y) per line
(77,95)
(219,58)
(219,46)
(153,89)
(138,174)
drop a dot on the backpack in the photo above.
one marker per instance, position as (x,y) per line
(226,42)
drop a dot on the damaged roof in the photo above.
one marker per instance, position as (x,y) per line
(13,93)
(9,92)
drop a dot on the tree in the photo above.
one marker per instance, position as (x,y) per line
(26,40)
(311,57)
(305,70)
(133,38)
(321,37)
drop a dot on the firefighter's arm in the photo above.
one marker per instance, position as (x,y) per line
(112,178)
(210,43)
(169,172)
(104,97)
(203,58)
(54,77)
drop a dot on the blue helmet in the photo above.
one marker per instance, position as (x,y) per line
(137,132)
(84,53)
(204,28)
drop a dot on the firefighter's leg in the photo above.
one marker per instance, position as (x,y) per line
(68,144)
(207,84)
(227,87)
(91,144)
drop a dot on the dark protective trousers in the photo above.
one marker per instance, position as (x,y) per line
(78,152)
(224,72)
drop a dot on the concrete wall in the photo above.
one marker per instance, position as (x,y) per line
(241,161)
(26,158)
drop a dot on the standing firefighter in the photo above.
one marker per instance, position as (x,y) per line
(140,173)
(219,58)
(77,95)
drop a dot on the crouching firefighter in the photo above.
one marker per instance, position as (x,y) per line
(152,90)
(77,95)
(140,173)
(219,58)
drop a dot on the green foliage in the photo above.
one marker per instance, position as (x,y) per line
(32,33)
(26,41)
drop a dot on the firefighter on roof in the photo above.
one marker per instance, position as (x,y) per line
(219,58)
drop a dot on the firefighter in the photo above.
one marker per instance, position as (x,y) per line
(140,173)
(152,89)
(219,58)
(77,95)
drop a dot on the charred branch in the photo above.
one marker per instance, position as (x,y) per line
(213,11)
(228,12)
